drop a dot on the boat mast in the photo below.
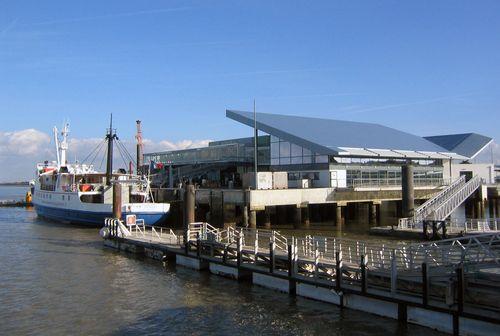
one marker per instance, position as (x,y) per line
(63,145)
(138,136)
(110,137)
(56,142)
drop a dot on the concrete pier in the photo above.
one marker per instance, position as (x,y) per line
(322,281)
(306,223)
(267,218)
(408,192)
(252,219)
(338,215)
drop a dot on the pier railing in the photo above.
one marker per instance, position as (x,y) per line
(141,231)
(403,257)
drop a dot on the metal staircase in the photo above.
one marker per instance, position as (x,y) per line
(441,205)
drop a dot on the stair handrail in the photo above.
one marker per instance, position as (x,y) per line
(457,198)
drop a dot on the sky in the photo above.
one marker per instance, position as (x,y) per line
(424,67)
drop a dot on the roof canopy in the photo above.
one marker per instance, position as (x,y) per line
(467,144)
(340,137)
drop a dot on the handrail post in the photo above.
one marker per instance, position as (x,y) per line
(271,256)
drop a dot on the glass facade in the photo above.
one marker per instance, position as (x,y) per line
(238,150)
(391,176)
(286,153)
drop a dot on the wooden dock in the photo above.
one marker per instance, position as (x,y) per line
(434,284)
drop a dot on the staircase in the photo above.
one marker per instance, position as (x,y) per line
(441,205)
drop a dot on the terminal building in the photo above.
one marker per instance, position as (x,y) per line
(325,161)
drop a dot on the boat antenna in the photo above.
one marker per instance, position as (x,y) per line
(110,137)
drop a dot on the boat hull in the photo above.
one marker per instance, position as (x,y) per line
(93,218)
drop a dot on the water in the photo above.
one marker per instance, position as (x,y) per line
(59,280)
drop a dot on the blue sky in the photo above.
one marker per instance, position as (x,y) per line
(426,67)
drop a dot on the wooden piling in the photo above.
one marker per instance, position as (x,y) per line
(117,200)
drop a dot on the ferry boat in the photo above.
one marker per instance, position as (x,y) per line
(76,193)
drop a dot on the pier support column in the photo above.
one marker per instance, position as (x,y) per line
(305,217)
(297,221)
(373,213)
(267,218)
(338,215)
(252,219)
(407,189)
(479,209)
(117,200)
(245,215)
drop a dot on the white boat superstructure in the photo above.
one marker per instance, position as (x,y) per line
(78,193)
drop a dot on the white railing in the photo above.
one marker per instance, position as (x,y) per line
(141,231)
(473,225)
(481,248)
(443,203)
(457,198)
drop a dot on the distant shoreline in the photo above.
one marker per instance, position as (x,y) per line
(14,184)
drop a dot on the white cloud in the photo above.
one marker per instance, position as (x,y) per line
(25,142)
(21,150)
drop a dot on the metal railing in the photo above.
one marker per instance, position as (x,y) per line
(396,182)
(393,257)
(457,198)
(443,203)
(142,231)
(473,225)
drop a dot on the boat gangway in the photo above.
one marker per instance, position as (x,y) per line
(451,285)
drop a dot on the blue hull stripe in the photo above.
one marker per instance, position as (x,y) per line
(93,218)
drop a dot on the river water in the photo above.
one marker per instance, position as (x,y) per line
(57,280)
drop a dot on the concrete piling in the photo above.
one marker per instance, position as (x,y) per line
(245,215)
(407,189)
(297,223)
(267,218)
(252,219)
(305,217)
(373,213)
(338,215)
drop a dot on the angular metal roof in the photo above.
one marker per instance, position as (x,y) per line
(340,137)
(466,144)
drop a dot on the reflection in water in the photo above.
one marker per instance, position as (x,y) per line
(58,280)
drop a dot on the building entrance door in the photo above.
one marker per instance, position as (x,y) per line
(468,175)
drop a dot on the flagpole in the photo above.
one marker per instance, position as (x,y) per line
(255,143)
